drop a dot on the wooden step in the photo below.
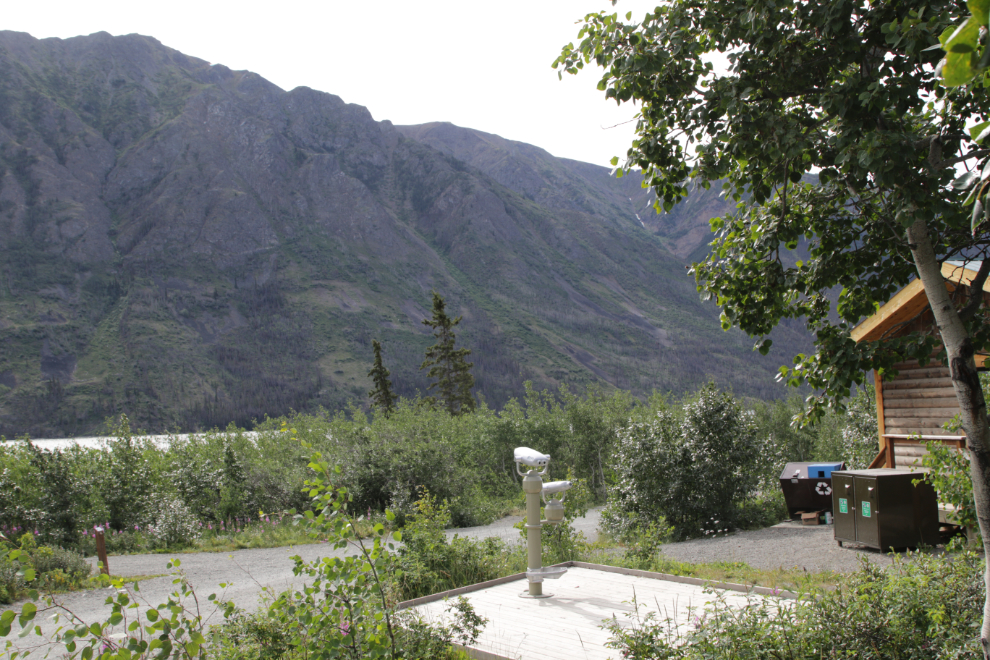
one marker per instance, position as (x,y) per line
(915,422)
(910,450)
(934,361)
(919,411)
(922,372)
(938,404)
(919,393)
(908,384)
(914,430)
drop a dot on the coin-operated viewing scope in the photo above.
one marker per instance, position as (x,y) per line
(530,458)
(535,489)
(554,507)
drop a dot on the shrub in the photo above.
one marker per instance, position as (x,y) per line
(860,437)
(692,471)
(71,565)
(11,584)
(949,474)
(174,524)
(430,563)
(920,608)
(128,476)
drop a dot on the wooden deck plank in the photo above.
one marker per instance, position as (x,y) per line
(568,625)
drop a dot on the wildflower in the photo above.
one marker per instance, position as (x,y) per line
(136,528)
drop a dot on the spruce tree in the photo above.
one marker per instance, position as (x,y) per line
(448,364)
(382,397)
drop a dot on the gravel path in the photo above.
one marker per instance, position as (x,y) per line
(247,574)
(786,545)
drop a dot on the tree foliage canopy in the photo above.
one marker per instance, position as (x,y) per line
(845,90)
(382,396)
(448,365)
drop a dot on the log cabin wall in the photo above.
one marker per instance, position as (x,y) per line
(917,402)
(914,406)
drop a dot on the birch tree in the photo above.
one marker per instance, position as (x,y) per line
(830,126)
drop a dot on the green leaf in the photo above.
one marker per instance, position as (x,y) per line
(944,37)
(980,10)
(29,575)
(965,39)
(965,181)
(979,131)
(397,535)
(977,217)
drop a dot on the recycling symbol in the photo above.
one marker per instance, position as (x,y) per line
(823,488)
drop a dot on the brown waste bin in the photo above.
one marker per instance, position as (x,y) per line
(808,486)
(884,509)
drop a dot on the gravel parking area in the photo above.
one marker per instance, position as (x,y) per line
(785,545)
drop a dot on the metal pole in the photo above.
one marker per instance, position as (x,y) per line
(532,485)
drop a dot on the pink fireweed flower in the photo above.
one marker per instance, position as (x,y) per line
(136,528)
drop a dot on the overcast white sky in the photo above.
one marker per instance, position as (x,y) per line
(480,65)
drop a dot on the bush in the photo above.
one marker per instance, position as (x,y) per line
(920,608)
(71,565)
(11,584)
(430,563)
(949,474)
(692,471)
(174,524)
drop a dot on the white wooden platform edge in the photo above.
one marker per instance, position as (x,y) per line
(533,630)
(634,572)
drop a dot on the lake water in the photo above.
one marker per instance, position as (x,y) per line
(97,442)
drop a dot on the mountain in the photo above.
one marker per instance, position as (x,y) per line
(194,246)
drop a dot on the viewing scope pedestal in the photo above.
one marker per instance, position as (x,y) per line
(532,483)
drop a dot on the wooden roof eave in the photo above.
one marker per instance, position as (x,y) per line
(908,303)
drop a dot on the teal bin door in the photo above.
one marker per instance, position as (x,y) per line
(867,527)
(843,507)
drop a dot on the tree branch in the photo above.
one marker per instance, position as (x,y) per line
(979,153)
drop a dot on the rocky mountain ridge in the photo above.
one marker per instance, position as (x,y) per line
(194,246)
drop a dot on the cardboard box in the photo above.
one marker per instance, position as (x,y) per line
(811,518)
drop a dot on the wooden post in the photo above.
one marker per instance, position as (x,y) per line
(881,424)
(101,552)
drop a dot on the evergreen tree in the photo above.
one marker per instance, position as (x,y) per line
(382,397)
(448,364)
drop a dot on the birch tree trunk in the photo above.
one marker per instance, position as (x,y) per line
(962,367)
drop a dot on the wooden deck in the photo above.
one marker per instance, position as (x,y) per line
(568,625)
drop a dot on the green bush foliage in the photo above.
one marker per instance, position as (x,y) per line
(346,608)
(224,478)
(692,468)
(430,563)
(925,607)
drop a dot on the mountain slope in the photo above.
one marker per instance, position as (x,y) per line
(194,245)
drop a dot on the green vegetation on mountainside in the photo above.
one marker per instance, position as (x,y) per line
(195,246)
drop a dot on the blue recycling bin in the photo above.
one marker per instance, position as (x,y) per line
(823,470)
